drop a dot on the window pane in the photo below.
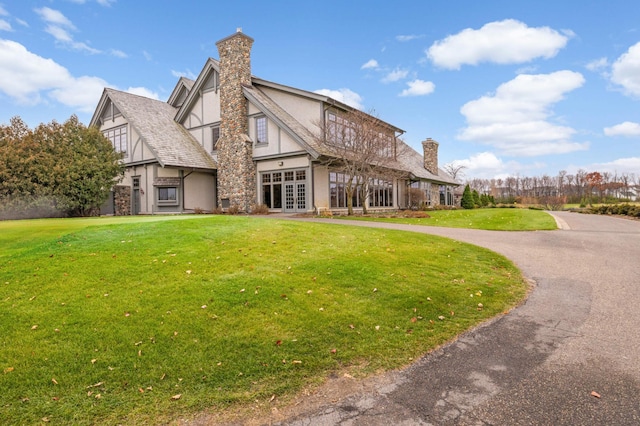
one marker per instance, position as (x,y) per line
(277,196)
(261,129)
(266,195)
(288,176)
(167,194)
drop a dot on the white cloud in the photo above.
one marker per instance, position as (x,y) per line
(31,79)
(418,88)
(515,119)
(118,53)
(82,93)
(503,42)
(627,128)
(404,38)
(621,165)
(345,96)
(485,165)
(188,74)
(23,74)
(370,64)
(22,22)
(54,17)
(59,26)
(5,26)
(598,64)
(143,91)
(147,55)
(395,75)
(106,3)
(626,70)
(3,11)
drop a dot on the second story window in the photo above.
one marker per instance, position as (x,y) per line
(215,133)
(261,130)
(118,138)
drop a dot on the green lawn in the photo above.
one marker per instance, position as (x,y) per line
(489,219)
(143,320)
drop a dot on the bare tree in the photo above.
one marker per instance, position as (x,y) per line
(455,170)
(364,149)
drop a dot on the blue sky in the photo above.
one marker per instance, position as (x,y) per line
(506,87)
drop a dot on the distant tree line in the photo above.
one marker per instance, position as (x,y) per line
(55,169)
(581,188)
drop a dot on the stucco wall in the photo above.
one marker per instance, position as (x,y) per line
(306,111)
(200,191)
(321,187)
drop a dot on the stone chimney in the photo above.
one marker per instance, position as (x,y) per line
(430,148)
(236,169)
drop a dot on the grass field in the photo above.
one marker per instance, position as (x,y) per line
(144,320)
(489,219)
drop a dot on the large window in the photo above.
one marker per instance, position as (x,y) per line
(380,193)
(363,135)
(118,138)
(167,195)
(338,191)
(261,130)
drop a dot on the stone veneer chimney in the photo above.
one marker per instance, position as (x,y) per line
(236,169)
(430,148)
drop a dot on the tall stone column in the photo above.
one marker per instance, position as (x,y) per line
(236,169)
(430,150)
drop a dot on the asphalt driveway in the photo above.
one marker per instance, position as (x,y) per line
(569,356)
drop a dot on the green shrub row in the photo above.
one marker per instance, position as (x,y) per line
(620,209)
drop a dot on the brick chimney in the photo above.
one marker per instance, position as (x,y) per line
(430,148)
(236,169)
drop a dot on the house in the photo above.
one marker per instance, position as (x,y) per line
(230,139)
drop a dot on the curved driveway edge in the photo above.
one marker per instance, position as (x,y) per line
(569,356)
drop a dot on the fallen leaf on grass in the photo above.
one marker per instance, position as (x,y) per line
(295,361)
(414,319)
(8,370)
(176,397)
(55,382)
(93,361)
(33,327)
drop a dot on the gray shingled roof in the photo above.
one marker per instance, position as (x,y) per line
(153,120)
(408,160)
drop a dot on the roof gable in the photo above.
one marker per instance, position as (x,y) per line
(180,92)
(206,77)
(152,120)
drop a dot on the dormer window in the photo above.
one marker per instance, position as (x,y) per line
(261,130)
